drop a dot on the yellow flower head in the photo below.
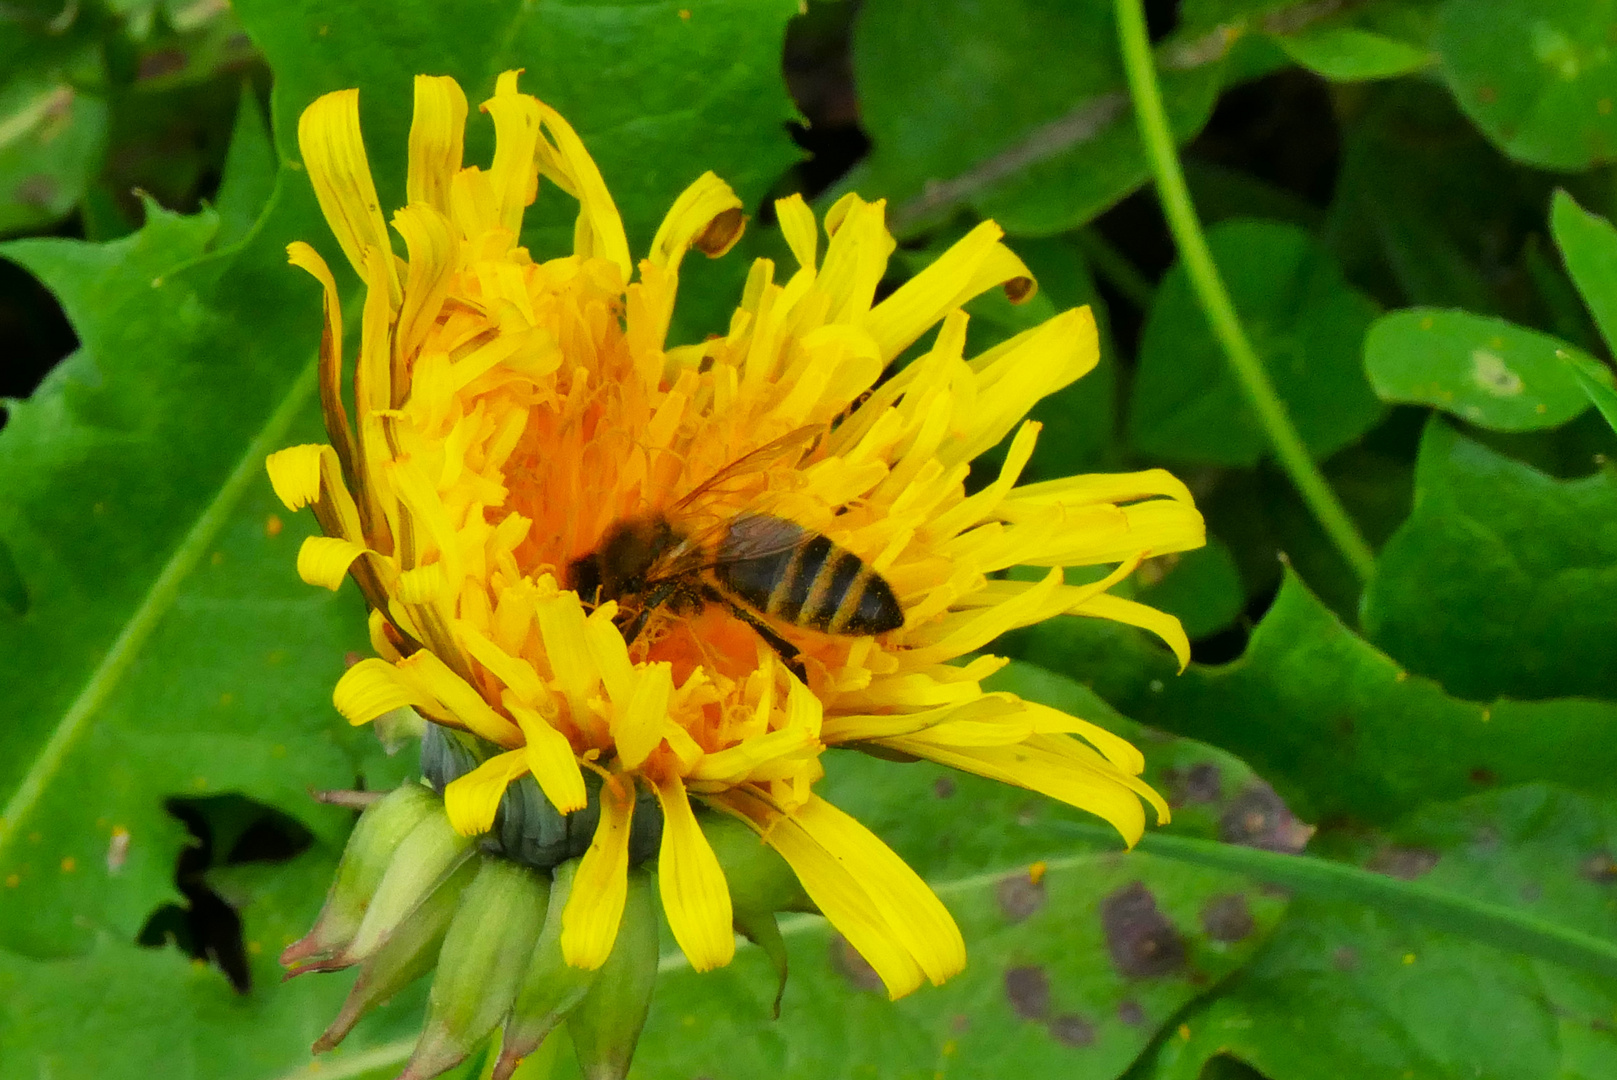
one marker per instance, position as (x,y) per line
(691,569)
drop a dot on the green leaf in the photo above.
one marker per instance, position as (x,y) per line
(1486,371)
(659,92)
(1345,991)
(184,655)
(249,177)
(1588,243)
(1017,110)
(1202,588)
(1342,731)
(1426,211)
(123,1011)
(1503,580)
(1538,78)
(1595,380)
(52,138)
(1306,323)
(1350,54)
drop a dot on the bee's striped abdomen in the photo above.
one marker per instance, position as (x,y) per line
(807,581)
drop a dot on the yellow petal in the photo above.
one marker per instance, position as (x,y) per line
(294,473)
(1102,533)
(599,230)
(951,280)
(430,243)
(462,700)
(1103,488)
(797,225)
(551,760)
(437,140)
(855,259)
(1114,748)
(562,626)
(518,675)
(516,132)
(472,799)
(372,688)
(637,724)
(307,259)
(918,918)
(707,214)
(334,155)
(695,897)
(589,922)
(324,560)
(1098,788)
(1165,626)
(1016,375)
(836,890)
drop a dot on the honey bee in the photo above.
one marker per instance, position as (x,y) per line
(757,565)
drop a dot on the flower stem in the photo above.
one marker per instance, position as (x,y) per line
(1215,299)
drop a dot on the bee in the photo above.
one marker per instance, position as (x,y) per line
(757,565)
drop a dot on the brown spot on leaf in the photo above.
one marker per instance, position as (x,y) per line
(959,1022)
(1227,918)
(154,65)
(37,190)
(1404,863)
(943,787)
(1204,783)
(1600,868)
(855,968)
(1130,1013)
(1258,817)
(1070,1029)
(1483,776)
(1344,958)
(1019,896)
(1028,989)
(1139,937)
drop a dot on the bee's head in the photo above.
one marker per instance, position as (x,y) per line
(618,567)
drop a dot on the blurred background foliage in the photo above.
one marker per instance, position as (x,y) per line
(1395,799)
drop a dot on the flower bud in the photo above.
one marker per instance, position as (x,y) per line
(550,988)
(480,968)
(376,837)
(427,856)
(606,1024)
(405,955)
(760,881)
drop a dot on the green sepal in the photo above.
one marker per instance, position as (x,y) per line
(480,968)
(606,1025)
(405,955)
(431,852)
(760,880)
(763,931)
(381,829)
(551,987)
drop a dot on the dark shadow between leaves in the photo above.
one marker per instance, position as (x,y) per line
(227,830)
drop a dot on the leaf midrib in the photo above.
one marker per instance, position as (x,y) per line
(156,602)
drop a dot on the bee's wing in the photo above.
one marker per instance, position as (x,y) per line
(749,536)
(754,536)
(755,461)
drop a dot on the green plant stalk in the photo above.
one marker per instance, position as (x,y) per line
(1215,298)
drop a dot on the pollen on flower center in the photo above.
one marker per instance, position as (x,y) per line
(687,570)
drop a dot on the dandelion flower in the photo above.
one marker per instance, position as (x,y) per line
(648,579)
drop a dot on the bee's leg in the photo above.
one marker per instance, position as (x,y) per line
(654,600)
(790,654)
